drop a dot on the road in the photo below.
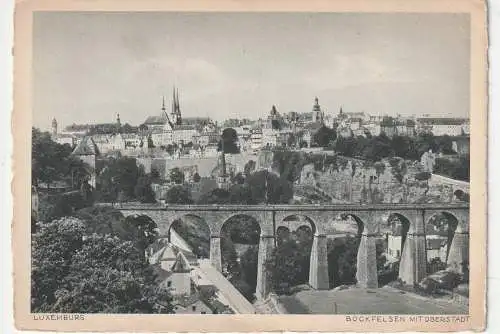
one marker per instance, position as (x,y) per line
(367,301)
(228,291)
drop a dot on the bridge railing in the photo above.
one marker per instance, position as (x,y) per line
(291,207)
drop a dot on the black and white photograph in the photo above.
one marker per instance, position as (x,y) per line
(254,163)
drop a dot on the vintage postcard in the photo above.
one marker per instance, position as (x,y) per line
(236,166)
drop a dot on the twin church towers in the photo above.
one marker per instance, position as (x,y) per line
(175,114)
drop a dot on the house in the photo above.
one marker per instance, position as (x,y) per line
(442,126)
(256,139)
(394,246)
(388,126)
(191,304)
(435,248)
(65,138)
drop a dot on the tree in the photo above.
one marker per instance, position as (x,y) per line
(456,169)
(141,230)
(275,124)
(289,164)
(216,196)
(231,268)
(266,187)
(243,229)
(107,275)
(53,207)
(143,191)
(228,141)
(239,194)
(402,146)
(50,161)
(119,176)
(249,167)
(345,146)
(238,178)
(378,147)
(95,264)
(289,264)
(324,136)
(342,261)
(196,235)
(176,175)
(178,195)
(196,177)
(248,262)
(52,249)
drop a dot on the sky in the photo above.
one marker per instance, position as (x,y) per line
(90,66)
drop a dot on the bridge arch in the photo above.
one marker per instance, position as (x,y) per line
(447,241)
(344,253)
(294,222)
(239,243)
(302,229)
(192,229)
(282,233)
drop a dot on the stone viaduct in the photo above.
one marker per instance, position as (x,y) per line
(370,221)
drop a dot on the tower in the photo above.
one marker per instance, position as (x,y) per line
(176,109)
(54,127)
(317,113)
(168,124)
(223,179)
(118,121)
(87,151)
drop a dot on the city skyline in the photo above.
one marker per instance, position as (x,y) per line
(222,73)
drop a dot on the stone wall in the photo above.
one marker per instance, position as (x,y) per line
(388,181)
(204,166)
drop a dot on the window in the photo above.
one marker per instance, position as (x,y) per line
(203,312)
(194,308)
(169,284)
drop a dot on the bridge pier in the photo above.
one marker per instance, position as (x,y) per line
(318,268)
(366,274)
(266,246)
(459,251)
(215,252)
(413,264)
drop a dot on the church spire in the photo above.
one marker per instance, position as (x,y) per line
(177,107)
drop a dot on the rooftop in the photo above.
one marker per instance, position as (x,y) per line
(86,146)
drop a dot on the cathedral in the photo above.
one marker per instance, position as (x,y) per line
(173,128)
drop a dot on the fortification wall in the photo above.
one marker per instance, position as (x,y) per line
(384,182)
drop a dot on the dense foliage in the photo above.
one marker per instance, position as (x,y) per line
(178,195)
(52,162)
(288,264)
(176,176)
(196,235)
(122,180)
(229,141)
(375,148)
(324,137)
(458,169)
(74,270)
(118,179)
